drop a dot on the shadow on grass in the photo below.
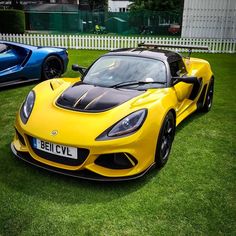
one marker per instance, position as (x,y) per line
(194,116)
(39,183)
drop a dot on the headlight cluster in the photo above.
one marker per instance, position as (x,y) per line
(127,125)
(27,107)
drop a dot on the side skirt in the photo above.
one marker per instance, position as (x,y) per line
(17,82)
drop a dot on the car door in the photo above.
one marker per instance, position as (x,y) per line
(182,90)
(8,57)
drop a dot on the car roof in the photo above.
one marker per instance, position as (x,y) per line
(153,53)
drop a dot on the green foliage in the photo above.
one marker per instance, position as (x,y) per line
(157,5)
(12,21)
(153,21)
(16,4)
(96,4)
(194,194)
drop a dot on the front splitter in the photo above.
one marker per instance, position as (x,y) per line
(82,174)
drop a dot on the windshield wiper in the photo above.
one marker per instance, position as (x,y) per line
(133,82)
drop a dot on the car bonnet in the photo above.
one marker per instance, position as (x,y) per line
(91,98)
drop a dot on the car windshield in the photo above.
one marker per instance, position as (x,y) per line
(109,71)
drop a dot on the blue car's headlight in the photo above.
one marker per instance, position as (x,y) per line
(127,125)
(27,107)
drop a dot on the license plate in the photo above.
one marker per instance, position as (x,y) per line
(56,149)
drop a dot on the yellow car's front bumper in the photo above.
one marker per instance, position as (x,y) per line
(119,159)
(82,174)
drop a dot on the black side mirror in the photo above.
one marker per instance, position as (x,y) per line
(188,80)
(78,68)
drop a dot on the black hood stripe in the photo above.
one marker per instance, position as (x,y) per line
(78,101)
(95,100)
(91,98)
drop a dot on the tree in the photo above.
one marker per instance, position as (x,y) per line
(97,4)
(15,4)
(157,5)
(155,15)
(18,4)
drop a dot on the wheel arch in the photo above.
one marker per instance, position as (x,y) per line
(212,79)
(161,121)
(172,110)
(49,55)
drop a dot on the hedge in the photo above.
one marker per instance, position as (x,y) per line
(12,21)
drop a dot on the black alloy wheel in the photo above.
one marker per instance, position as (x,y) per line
(52,68)
(165,139)
(209,97)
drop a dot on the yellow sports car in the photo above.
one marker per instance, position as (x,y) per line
(118,120)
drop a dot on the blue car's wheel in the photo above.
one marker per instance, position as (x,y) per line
(165,139)
(52,68)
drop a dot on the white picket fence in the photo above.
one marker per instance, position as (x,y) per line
(100,42)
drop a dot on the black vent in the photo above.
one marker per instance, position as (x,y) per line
(82,155)
(20,137)
(116,161)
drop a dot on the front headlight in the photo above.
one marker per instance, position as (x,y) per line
(127,125)
(27,107)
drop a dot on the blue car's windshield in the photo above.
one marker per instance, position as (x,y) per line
(109,71)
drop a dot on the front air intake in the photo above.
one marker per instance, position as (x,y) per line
(116,161)
(20,137)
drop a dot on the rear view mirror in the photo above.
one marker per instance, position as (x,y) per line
(78,68)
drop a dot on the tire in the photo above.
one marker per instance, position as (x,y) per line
(52,68)
(165,139)
(209,97)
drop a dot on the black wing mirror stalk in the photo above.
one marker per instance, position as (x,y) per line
(78,68)
(188,80)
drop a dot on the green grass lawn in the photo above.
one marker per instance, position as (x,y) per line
(194,194)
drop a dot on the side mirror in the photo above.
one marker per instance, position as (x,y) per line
(78,68)
(188,80)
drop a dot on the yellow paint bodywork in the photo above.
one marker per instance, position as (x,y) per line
(80,129)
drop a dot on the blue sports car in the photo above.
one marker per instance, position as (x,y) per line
(20,63)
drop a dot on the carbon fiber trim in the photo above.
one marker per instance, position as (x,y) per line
(20,137)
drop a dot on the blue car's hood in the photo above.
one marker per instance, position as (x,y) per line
(30,47)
